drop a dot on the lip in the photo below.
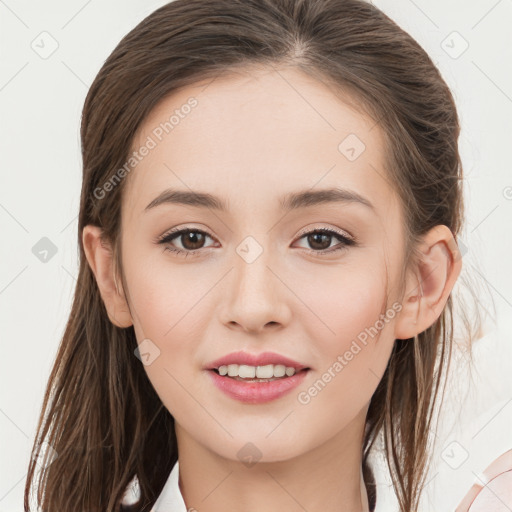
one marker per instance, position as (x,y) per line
(256,392)
(262,359)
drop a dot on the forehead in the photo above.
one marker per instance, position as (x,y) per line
(256,134)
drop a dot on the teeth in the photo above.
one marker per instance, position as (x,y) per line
(268,371)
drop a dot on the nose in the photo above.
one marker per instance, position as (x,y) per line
(256,296)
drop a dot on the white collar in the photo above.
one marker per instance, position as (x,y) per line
(170,499)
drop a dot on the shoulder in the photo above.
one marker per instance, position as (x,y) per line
(492,489)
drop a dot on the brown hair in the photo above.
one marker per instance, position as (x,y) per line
(101,414)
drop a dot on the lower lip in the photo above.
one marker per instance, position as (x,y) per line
(256,392)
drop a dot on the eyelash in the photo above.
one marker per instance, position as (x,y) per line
(168,237)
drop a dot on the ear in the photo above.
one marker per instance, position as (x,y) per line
(100,257)
(430,283)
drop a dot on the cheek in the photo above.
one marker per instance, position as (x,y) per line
(348,301)
(164,298)
(352,346)
(168,304)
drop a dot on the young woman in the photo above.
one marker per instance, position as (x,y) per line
(270,206)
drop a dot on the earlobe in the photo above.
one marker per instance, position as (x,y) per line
(100,258)
(430,283)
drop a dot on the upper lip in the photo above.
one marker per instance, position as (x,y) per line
(262,359)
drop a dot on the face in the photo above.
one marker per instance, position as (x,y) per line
(254,276)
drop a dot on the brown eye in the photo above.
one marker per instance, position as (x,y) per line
(190,240)
(319,240)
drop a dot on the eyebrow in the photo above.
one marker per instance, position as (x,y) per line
(290,201)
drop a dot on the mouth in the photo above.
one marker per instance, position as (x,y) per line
(254,379)
(263,367)
(266,373)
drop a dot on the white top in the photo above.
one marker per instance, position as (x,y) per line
(170,499)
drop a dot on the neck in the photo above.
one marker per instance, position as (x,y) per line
(327,478)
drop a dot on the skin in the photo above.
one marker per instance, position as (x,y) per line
(253,137)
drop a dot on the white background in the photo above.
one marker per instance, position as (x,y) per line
(41,101)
